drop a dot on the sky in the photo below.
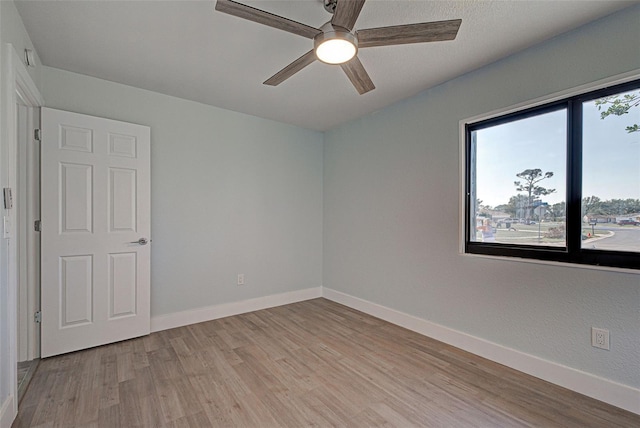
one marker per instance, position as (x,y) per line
(611,156)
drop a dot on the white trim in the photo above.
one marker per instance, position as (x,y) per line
(24,84)
(616,394)
(16,81)
(193,316)
(462,167)
(6,414)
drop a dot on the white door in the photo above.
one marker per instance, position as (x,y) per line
(95,231)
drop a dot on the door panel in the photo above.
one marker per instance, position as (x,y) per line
(122,200)
(76,139)
(76,188)
(76,290)
(122,284)
(95,208)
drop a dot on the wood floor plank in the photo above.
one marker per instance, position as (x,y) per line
(313,363)
(131,415)
(369,418)
(324,404)
(108,416)
(151,413)
(215,398)
(197,420)
(108,370)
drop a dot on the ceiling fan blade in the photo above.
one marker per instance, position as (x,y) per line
(291,69)
(346,13)
(358,75)
(266,18)
(411,33)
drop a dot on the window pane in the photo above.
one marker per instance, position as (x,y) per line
(517,181)
(611,173)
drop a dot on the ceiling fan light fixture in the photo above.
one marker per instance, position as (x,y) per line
(336,42)
(336,46)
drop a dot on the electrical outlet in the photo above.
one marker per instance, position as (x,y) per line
(240,279)
(600,338)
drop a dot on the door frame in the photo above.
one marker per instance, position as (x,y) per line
(27,204)
(16,82)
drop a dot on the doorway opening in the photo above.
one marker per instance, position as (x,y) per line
(27,206)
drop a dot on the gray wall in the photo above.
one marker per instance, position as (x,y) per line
(12,31)
(391,204)
(230,193)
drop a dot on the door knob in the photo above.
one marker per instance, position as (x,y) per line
(141,241)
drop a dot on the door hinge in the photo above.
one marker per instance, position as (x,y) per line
(37,226)
(37,317)
(37,134)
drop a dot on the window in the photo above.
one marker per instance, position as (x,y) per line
(558,182)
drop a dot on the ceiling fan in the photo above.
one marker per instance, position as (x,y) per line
(336,42)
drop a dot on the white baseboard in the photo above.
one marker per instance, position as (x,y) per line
(179,319)
(610,392)
(7,412)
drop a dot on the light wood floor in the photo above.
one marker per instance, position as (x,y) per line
(314,363)
(26,370)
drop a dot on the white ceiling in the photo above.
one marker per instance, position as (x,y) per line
(188,50)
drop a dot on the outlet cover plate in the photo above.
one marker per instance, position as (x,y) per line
(600,338)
